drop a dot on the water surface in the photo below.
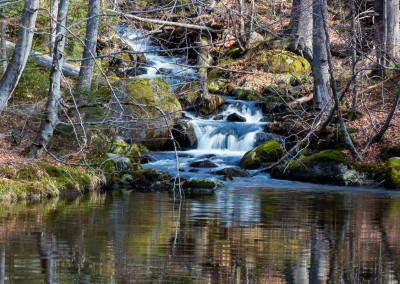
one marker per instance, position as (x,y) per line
(308,234)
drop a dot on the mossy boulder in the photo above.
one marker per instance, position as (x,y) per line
(329,166)
(262,155)
(280,61)
(43,180)
(246,93)
(392,179)
(151,107)
(206,183)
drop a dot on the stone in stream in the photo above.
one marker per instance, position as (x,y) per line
(232,172)
(234,117)
(262,155)
(204,164)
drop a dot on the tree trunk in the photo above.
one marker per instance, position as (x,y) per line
(392,45)
(301,28)
(202,62)
(322,96)
(50,119)
(53,24)
(18,61)
(86,71)
(3,48)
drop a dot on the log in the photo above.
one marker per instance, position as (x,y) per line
(299,101)
(46,62)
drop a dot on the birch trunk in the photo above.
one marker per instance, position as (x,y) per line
(18,61)
(3,48)
(86,71)
(50,119)
(53,24)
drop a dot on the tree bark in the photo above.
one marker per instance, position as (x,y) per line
(3,48)
(202,62)
(322,95)
(301,28)
(53,24)
(392,45)
(18,61)
(86,71)
(50,119)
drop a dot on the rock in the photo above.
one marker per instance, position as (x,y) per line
(121,162)
(279,61)
(143,179)
(184,136)
(256,38)
(156,110)
(207,183)
(328,166)
(246,93)
(234,117)
(261,155)
(208,105)
(264,137)
(390,152)
(232,172)
(193,171)
(204,164)
(392,179)
(218,117)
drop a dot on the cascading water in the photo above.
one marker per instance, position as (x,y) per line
(219,139)
(172,68)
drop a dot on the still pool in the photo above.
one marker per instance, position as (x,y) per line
(304,234)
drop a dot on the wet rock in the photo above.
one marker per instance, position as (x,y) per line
(262,155)
(392,179)
(184,136)
(206,183)
(208,105)
(204,164)
(121,162)
(232,172)
(193,170)
(261,138)
(328,166)
(234,117)
(218,117)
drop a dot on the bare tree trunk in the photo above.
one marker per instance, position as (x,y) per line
(301,28)
(322,96)
(50,119)
(392,45)
(53,24)
(3,48)
(18,61)
(86,71)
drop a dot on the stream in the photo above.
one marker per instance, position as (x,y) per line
(252,230)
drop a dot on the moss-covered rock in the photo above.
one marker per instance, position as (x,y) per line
(262,155)
(246,93)
(151,108)
(329,166)
(206,183)
(43,180)
(392,179)
(279,61)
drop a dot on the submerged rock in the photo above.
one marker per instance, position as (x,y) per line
(261,155)
(204,164)
(234,117)
(392,179)
(232,172)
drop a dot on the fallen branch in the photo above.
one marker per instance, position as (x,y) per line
(46,62)
(299,101)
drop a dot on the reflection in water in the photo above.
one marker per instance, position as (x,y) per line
(237,236)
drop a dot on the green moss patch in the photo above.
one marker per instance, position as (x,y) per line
(262,155)
(392,180)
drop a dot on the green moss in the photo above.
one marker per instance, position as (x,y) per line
(278,61)
(34,83)
(262,155)
(326,156)
(392,180)
(247,94)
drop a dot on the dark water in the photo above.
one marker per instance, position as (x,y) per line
(240,235)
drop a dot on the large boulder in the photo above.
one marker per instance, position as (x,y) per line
(204,164)
(262,155)
(280,61)
(392,179)
(232,172)
(234,117)
(329,166)
(184,135)
(149,109)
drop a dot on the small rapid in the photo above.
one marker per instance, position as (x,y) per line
(222,138)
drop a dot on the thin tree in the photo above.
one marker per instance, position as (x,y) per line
(18,61)
(53,24)
(3,48)
(50,118)
(86,71)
